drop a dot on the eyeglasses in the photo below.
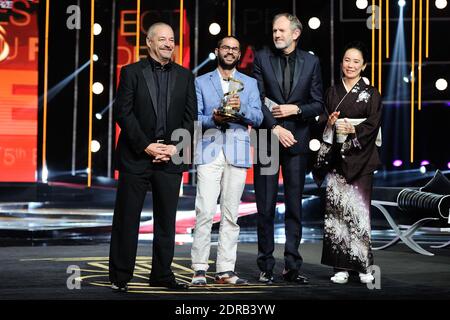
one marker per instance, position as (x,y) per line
(228,48)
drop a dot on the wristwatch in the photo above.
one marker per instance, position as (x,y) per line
(299,111)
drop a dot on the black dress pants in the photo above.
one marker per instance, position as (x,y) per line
(131,192)
(266,190)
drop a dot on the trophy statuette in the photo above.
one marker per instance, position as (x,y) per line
(226,110)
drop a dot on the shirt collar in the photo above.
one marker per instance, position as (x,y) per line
(291,55)
(220,75)
(158,66)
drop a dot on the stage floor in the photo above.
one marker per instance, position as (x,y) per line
(48,272)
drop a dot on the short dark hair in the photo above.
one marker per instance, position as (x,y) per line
(358,45)
(219,43)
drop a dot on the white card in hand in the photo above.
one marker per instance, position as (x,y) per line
(270,103)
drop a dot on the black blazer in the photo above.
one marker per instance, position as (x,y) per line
(306,92)
(135,111)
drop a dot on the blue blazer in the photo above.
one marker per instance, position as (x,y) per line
(235,141)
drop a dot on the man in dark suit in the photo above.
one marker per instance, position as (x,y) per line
(291,78)
(155,97)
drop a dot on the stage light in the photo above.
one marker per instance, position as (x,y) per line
(95,57)
(362,4)
(314,23)
(211,56)
(44,174)
(99,116)
(97,88)
(401,3)
(397,163)
(406,79)
(440,4)
(441,84)
(423,169)
(448,165)
(311,52)
(314,144)
(97,29)
(214,28)
(425,163)
(95,145)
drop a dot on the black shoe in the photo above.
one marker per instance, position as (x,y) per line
(171,285)
(294,276)
(119,287)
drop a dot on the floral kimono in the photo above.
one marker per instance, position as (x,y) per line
(347,243)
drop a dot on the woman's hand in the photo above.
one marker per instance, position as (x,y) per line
(345,127)
(332,118)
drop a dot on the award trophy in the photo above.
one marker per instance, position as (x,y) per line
(227,110)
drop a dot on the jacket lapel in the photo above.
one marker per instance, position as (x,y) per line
(276,66)
(151,86)
(214,76)
(173,76)
(299,62)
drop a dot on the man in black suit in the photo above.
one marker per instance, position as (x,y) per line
(155,97)
(292,79)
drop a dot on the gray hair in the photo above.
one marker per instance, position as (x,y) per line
(295,22)
(151,30)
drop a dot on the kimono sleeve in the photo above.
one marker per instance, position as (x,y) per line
(366,132)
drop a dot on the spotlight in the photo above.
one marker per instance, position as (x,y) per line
(97,29)
(441,84)
(406,79)
(425,163)
(314,145)
(401,3)
(423,169)
(95,57)
(440,4)
(212,56)
(97,88)
(214,28)
(99,116)
(314,23)
(397,163)
(95,145)
(361,4)
(448,165)
(44,174)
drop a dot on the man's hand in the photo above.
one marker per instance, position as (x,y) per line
(154,149)
(160,152)
(234,102)
(220,119)
(285,136)
(284,110)
(166,153)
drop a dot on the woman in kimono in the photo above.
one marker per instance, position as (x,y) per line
(350,166)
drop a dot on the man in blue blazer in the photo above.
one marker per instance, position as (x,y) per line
(223,157)
(291,79)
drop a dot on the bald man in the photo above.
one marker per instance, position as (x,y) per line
(155,97)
